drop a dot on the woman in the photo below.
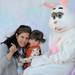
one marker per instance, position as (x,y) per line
(9,50)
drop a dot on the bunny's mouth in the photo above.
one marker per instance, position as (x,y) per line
(59,29)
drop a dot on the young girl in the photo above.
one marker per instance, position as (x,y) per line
(33,48)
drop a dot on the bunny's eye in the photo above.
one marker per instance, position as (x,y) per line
(60,7)
(59,14)
(54,15)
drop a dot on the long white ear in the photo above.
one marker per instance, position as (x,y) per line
(49,5)
(64,3)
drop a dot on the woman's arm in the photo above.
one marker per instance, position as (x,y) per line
(4,62)
(5,58)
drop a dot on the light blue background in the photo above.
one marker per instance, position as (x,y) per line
(29,12)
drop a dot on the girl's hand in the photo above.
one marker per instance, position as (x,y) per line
(23,60)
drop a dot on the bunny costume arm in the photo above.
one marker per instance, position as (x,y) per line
(67,49)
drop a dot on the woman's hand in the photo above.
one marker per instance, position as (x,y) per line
(12,50)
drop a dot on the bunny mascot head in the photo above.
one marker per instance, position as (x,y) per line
(61,19)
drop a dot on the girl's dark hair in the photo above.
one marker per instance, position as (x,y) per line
(12,39)
(37,35)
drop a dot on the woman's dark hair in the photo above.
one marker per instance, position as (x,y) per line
(12,39)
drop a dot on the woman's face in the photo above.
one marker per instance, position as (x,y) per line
(22,39)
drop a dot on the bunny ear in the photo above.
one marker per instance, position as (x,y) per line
(49,5)
(64,2)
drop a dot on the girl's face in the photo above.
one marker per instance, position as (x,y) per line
(33,42)
(22,39)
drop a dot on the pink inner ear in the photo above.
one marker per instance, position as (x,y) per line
(49,5)
(64,2)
